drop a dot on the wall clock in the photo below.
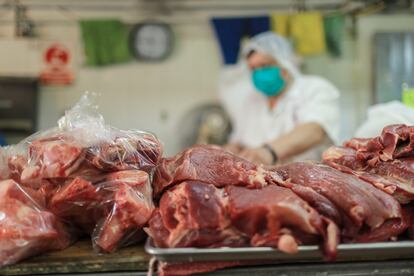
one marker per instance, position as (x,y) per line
(151,41)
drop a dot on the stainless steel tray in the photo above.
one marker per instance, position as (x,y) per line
(308,253)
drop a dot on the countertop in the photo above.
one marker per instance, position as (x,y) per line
(80,258)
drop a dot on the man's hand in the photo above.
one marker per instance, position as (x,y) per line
(257,155)
(233,148)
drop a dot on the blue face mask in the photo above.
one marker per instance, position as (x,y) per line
(269,80)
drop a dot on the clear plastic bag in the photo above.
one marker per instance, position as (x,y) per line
(112,211)
(89,173)
(83,141)
(26,227)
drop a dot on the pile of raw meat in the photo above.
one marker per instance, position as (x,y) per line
(87,178)
(81,178)
(386,161)
(211,198)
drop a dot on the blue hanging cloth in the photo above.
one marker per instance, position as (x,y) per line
(2,140)
(257,25)
(230,31)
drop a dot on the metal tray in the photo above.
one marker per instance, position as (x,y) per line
(307,253)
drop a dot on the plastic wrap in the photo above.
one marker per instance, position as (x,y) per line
(83,144)
(26,227)
(112,211)
(93,175)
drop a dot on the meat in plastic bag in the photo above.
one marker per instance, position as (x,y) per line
(113,211)
(26,227)
(83,141)
(89,173)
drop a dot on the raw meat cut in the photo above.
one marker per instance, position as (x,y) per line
(52,157)
(398,142)
(196,214)
(113,211)
(400,172)
(346,161)
(367,150)
(79,202)
(15,166)
(132,207)
(395,141)
(275,216)
(209,164)
(392,177)
(63,156)
(344,156)
(26,228)
(363,207)
(395,177)
(129,150)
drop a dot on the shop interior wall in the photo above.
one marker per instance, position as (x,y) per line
(156,96)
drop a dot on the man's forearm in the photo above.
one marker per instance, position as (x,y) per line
(299,140)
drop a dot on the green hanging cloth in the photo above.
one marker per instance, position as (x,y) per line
(105,41)
(334,29)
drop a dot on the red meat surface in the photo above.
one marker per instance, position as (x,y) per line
(196,214)
(52,157)
(126,152)
(395,176)
(275,216)
(113,211)
(395,141)
(363,207)
(26,228)
(132,207)
(209,164)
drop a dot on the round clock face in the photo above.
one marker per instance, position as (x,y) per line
(151,41)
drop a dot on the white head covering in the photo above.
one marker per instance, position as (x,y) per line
(277,47)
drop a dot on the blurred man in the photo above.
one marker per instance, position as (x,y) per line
(279,115)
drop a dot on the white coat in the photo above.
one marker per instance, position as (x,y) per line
(309,99)
(381,115)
